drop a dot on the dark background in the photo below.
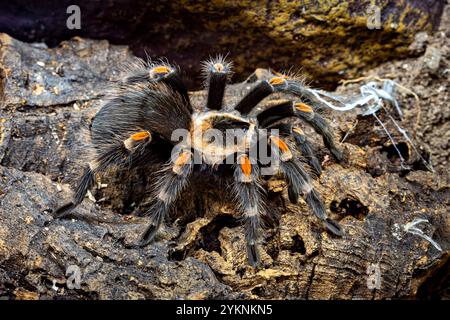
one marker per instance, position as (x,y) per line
(327,41)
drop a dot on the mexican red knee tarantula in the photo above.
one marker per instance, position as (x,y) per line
(135,128)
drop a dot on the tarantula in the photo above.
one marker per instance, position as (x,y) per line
(136,125)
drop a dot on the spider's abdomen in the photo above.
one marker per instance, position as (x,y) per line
(114,121)
(144,106)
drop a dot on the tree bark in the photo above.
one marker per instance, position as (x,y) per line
(48,99)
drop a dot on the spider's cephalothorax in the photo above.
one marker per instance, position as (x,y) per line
(148,112)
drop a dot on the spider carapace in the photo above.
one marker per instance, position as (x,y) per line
(148,119)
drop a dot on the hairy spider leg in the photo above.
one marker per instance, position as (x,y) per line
(306,149)
(279,84)
(249,195)
(320,125)
(162,73)
(255,96)
(171,182)
(127,153)
(299,182)
(276,113)
(300,110)
(216,71)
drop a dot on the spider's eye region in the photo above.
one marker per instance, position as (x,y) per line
(229,124)
(303,107)
(277,81)
(160,71)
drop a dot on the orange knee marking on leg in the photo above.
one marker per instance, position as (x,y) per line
(303,107)
(161,70)
(140,135)
(246,166)
(182,159)
(286,153)
(279,143)
(276,81)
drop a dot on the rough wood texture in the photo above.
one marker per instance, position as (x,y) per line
(48,97)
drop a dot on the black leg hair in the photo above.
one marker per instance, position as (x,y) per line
(255,96)
(85,183)
(297,89)
(173,179)
(174,81)
(170,77)
(290,109)
(163,73)
(306,150)
(216,72)
(276,113)
(266,87)
(299,182)
(249,195)
(320,125)
(285,129)
(132,150)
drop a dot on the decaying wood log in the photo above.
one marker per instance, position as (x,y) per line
(48,99)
